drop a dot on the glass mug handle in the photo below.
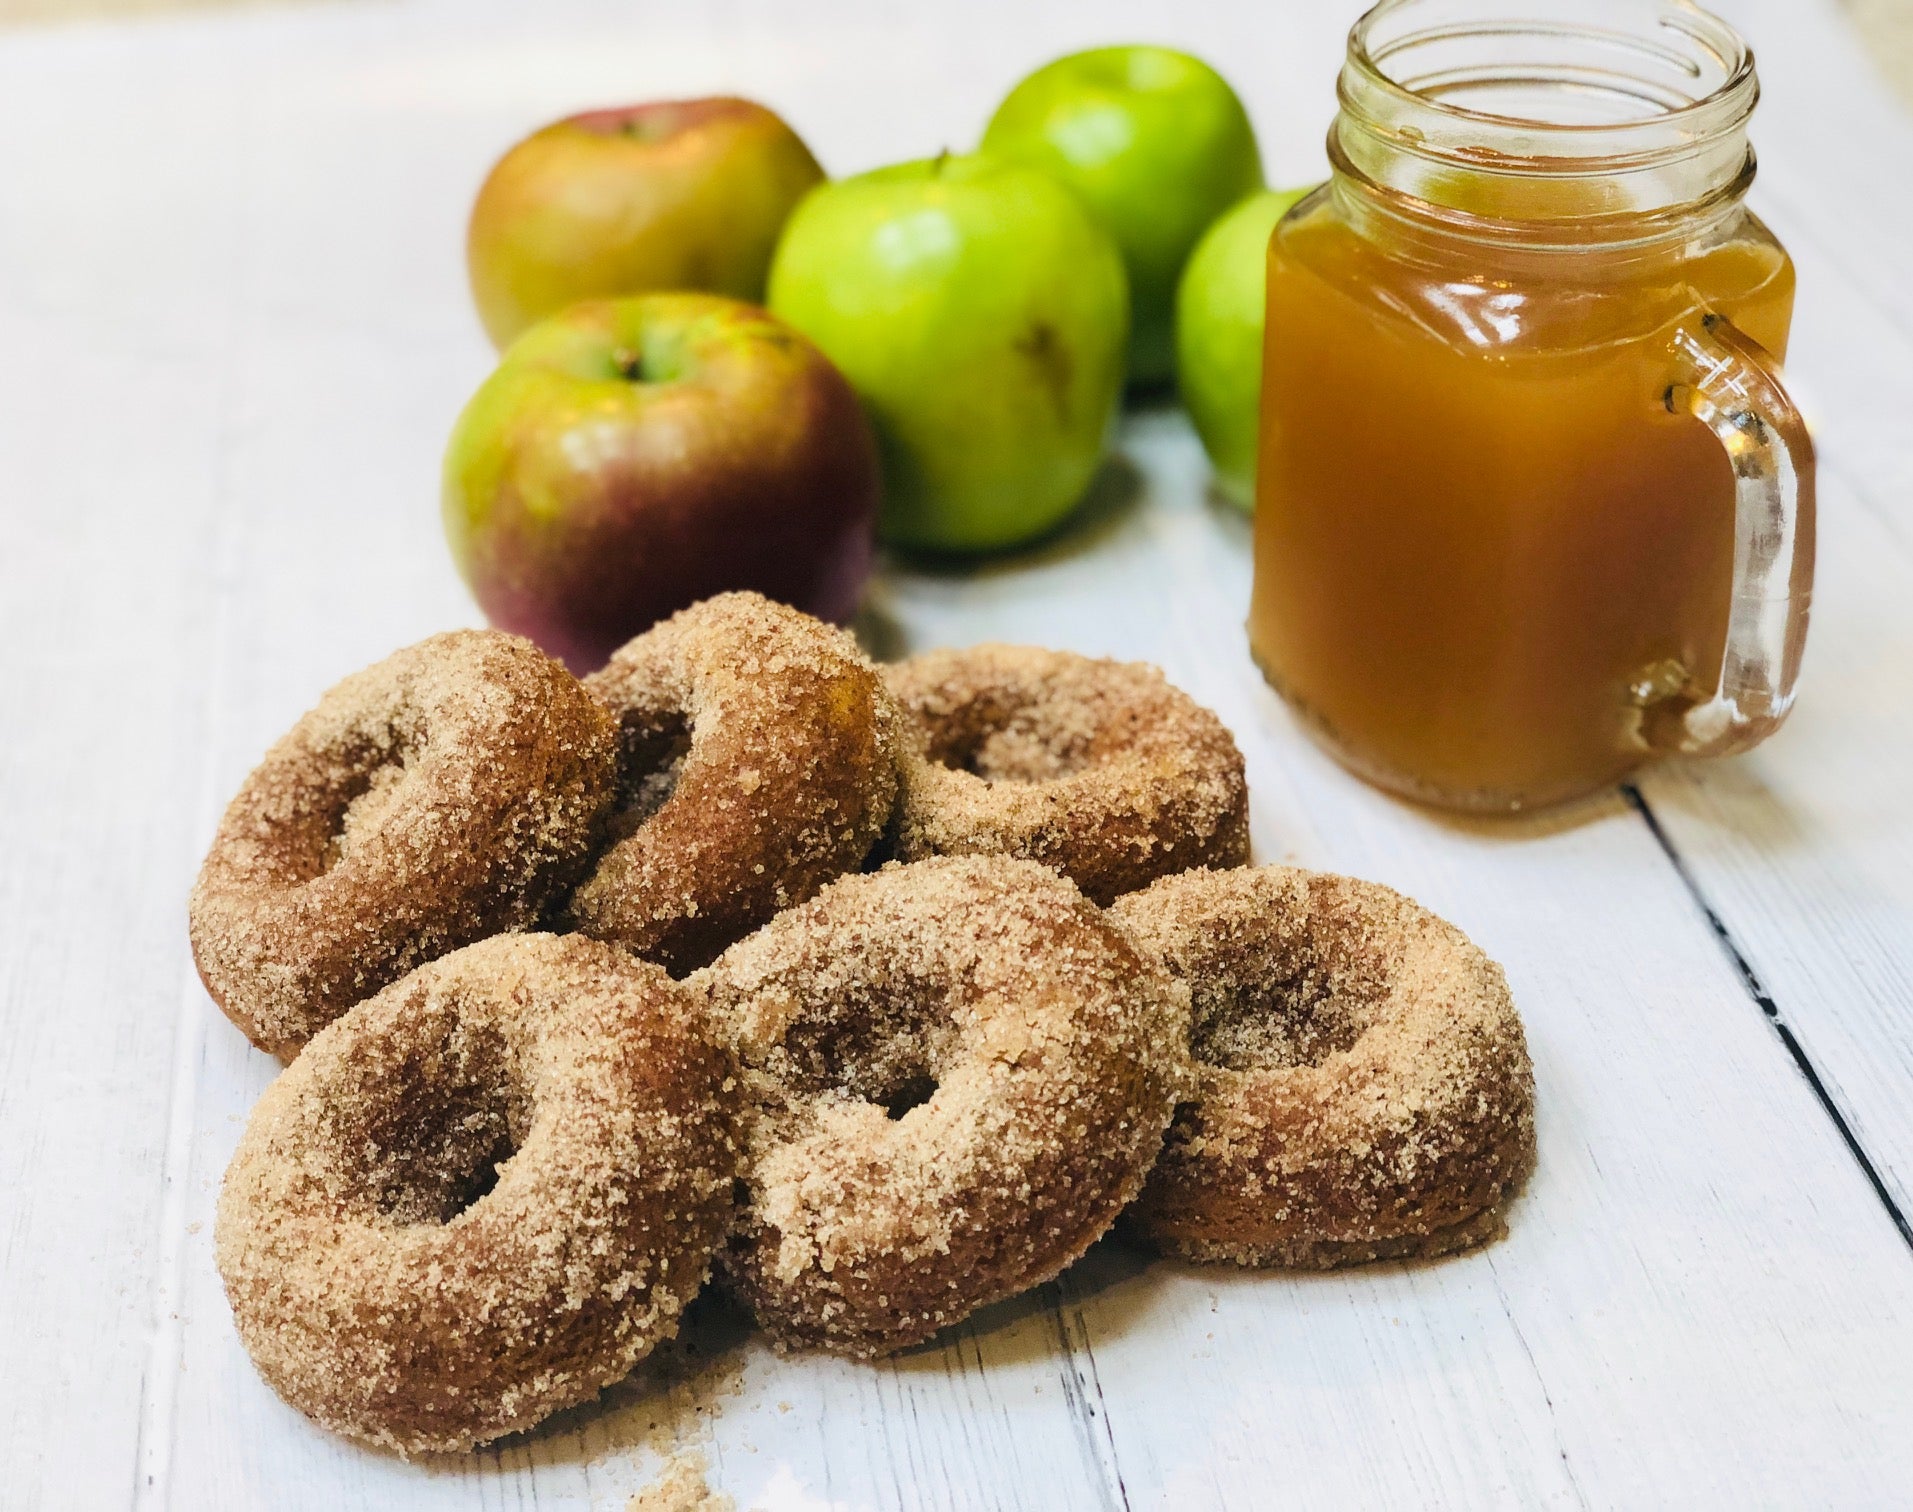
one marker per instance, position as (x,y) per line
(1727,381)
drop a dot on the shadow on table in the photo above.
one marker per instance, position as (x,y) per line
(1609,803)
(1727,795)
(667,1402)
(1724,794)
(1031,1326)
(1109,507)
(672,1397)
(1720,795)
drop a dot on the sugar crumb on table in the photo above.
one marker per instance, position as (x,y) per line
(681,1487)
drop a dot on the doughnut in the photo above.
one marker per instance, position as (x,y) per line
(758,762)
(448,793)
(1100,769)
(480,1196)
(955,1074)
(1365,1089)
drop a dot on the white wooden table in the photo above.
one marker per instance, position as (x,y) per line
(233,334)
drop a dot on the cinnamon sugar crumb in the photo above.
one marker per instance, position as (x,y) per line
(681,1487)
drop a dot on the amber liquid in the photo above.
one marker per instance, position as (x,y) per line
(1483,540)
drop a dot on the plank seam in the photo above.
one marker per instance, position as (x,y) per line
(159,1377)
(1547,1397)
(1764,1000)
(1101,1409)
(1084,1415)
(152,1448)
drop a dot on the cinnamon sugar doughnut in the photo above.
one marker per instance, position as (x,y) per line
(480,1196)
(758,763)
(956,1075)
(447,793)
(1365,1089)
(1100,769)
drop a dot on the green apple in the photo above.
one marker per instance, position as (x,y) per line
(980,314)
(677,194)
(632,456)
(1219,336)
(1157,145)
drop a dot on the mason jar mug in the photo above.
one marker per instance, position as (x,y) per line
(1532,505)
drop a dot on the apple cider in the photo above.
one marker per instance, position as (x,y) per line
(1503,508)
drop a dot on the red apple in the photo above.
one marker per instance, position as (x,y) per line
(679,194)
(632,456)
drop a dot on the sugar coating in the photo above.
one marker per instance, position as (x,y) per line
(1365,1087)
(956,1073)
(681,1487)
(1101,769)
(447,793)
(483,1194)
(758,763)
(381,1281)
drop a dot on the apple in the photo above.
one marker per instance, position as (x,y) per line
(1219,336)
(1157,145)
(632,456)
(678,194)
(981,315)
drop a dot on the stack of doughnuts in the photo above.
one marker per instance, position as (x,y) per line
(882,993)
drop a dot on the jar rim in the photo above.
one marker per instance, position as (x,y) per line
(1622,120)
(1675,127)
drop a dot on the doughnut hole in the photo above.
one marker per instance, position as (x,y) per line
(1293,998)
(652,749)
(889,1049)
(352,794)
(368,808)
(1300,1020)
(912,1094)
(430,1135)
(1003,738)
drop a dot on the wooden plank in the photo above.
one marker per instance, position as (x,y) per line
(112,416)
(1674,1316)
(1549,1367)
(1804,849)
(355,363)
